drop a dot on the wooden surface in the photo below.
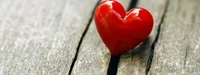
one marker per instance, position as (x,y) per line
(177,50)
(58,37)
(41,36)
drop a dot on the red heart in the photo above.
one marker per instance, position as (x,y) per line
(121,31)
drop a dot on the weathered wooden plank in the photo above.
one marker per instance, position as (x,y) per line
(177,50)
(135,62)
(41,36)
(94,57)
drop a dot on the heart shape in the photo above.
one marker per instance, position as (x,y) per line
(121,31)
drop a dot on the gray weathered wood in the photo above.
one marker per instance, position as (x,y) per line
(177,50)
(135,62)
(94,57)
(41,36)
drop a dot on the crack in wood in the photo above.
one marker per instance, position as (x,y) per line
(132,4)
(149,62)
(81,39)
(113,65)
(188,46)
(186,54)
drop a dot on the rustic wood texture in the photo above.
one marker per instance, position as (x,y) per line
(93,57)
(177,50)
(41,36)
(135,61)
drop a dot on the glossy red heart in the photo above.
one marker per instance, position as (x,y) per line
(121,31)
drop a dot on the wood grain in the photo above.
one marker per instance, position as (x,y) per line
(135,61)
(94,57)
(177,50)
(41,36)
